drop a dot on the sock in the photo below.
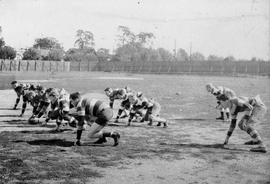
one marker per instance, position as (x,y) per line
(228,115)
(79,134)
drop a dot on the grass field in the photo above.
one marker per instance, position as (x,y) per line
(190,150)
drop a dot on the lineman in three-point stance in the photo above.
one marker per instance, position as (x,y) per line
(253,109)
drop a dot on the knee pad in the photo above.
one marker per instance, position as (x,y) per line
(242,125)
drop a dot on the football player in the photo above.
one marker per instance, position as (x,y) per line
(222,94)
(253,109)
(153,113)
(19,89)
(59,99)
(85,108)
(119,94)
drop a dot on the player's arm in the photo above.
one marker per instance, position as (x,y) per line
(17,100)
(111,102)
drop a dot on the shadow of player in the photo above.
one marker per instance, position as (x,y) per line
(202,146)
(8,115)
(52,142)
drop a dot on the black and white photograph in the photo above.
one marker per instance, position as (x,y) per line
(134,92)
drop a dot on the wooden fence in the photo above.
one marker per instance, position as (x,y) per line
(24,65)
(199,67)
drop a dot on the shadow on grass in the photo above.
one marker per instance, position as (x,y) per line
(8,115)
(202,146)
(5,108)
(61,143)
(52,142)
(53,131)
(190,119)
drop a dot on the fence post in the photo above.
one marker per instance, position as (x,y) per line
(1,65)
(10,63)
(190,67)
(35,69)
(42,66)
(27,65)
(19,65)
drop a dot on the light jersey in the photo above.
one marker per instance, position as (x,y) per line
(90,106)
(225,93)
(241,104)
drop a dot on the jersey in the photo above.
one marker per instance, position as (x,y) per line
(90,107)
(223,93)
(118,94)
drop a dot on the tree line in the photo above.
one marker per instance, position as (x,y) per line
(130,47)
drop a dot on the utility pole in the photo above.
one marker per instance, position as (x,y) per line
(190,51)
(174,49)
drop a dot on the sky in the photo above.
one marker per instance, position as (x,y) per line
(240,28)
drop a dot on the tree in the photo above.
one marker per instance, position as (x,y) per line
(126,36)
(197,56)
(165,54)
(86,54)
(84,39)
(229,58)
(145,38)
(103,54)
(31,54)
(55,55)
(7,52)
(47,43)
(2,42)
(182,55)
(214,58)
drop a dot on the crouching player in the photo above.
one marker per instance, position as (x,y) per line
(43,104)
(119,94)
(29,96)
(153,113)
(59,99)
(253,109)
(222,94)
(85,108)
(138,107)
(19,90)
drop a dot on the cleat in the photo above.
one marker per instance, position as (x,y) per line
(252,142)
(116,120)
(101,140)
(129,123)
(261,149)
(77,143)
(124,116)
(159,124)
(220,118)
(116,137)
(165,125)
(149,124)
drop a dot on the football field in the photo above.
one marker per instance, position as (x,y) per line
(189,150)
